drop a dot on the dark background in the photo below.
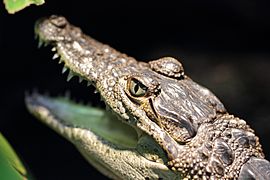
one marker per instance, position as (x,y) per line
(223,46)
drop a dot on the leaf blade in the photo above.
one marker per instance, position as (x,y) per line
(13,6)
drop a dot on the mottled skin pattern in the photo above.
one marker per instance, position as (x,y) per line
(201,139)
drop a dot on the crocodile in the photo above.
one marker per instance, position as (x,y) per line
(159,123)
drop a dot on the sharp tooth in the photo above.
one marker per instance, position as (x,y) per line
(80,79)
(54,49)
(61,60)
(64,69)
(70,75)
(88,83)
(55,56)
(40,43)
(95,91)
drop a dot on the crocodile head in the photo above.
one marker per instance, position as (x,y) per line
(106,142)
(140,93)
(157,99)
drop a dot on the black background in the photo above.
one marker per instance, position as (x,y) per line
(223,45)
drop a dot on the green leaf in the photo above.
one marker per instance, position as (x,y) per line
(10,165)
(13,6)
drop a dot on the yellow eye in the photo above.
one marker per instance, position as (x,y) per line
(136,88)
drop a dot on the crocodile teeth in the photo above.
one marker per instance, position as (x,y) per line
(40,43)
(55,56)
(80,79)
(61,60)
(64,69)
(54,49)
(70,75)
(88,83)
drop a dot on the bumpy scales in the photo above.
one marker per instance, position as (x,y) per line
(200,138)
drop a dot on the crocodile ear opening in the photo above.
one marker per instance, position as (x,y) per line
(69,114)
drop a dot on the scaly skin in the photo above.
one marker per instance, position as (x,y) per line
(200,138)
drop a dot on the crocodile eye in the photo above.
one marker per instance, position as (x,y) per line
(136,88)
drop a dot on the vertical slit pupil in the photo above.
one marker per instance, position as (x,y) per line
(136,88)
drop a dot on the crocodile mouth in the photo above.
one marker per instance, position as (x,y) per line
(62,114)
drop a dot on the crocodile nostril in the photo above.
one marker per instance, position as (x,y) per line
(58,21)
